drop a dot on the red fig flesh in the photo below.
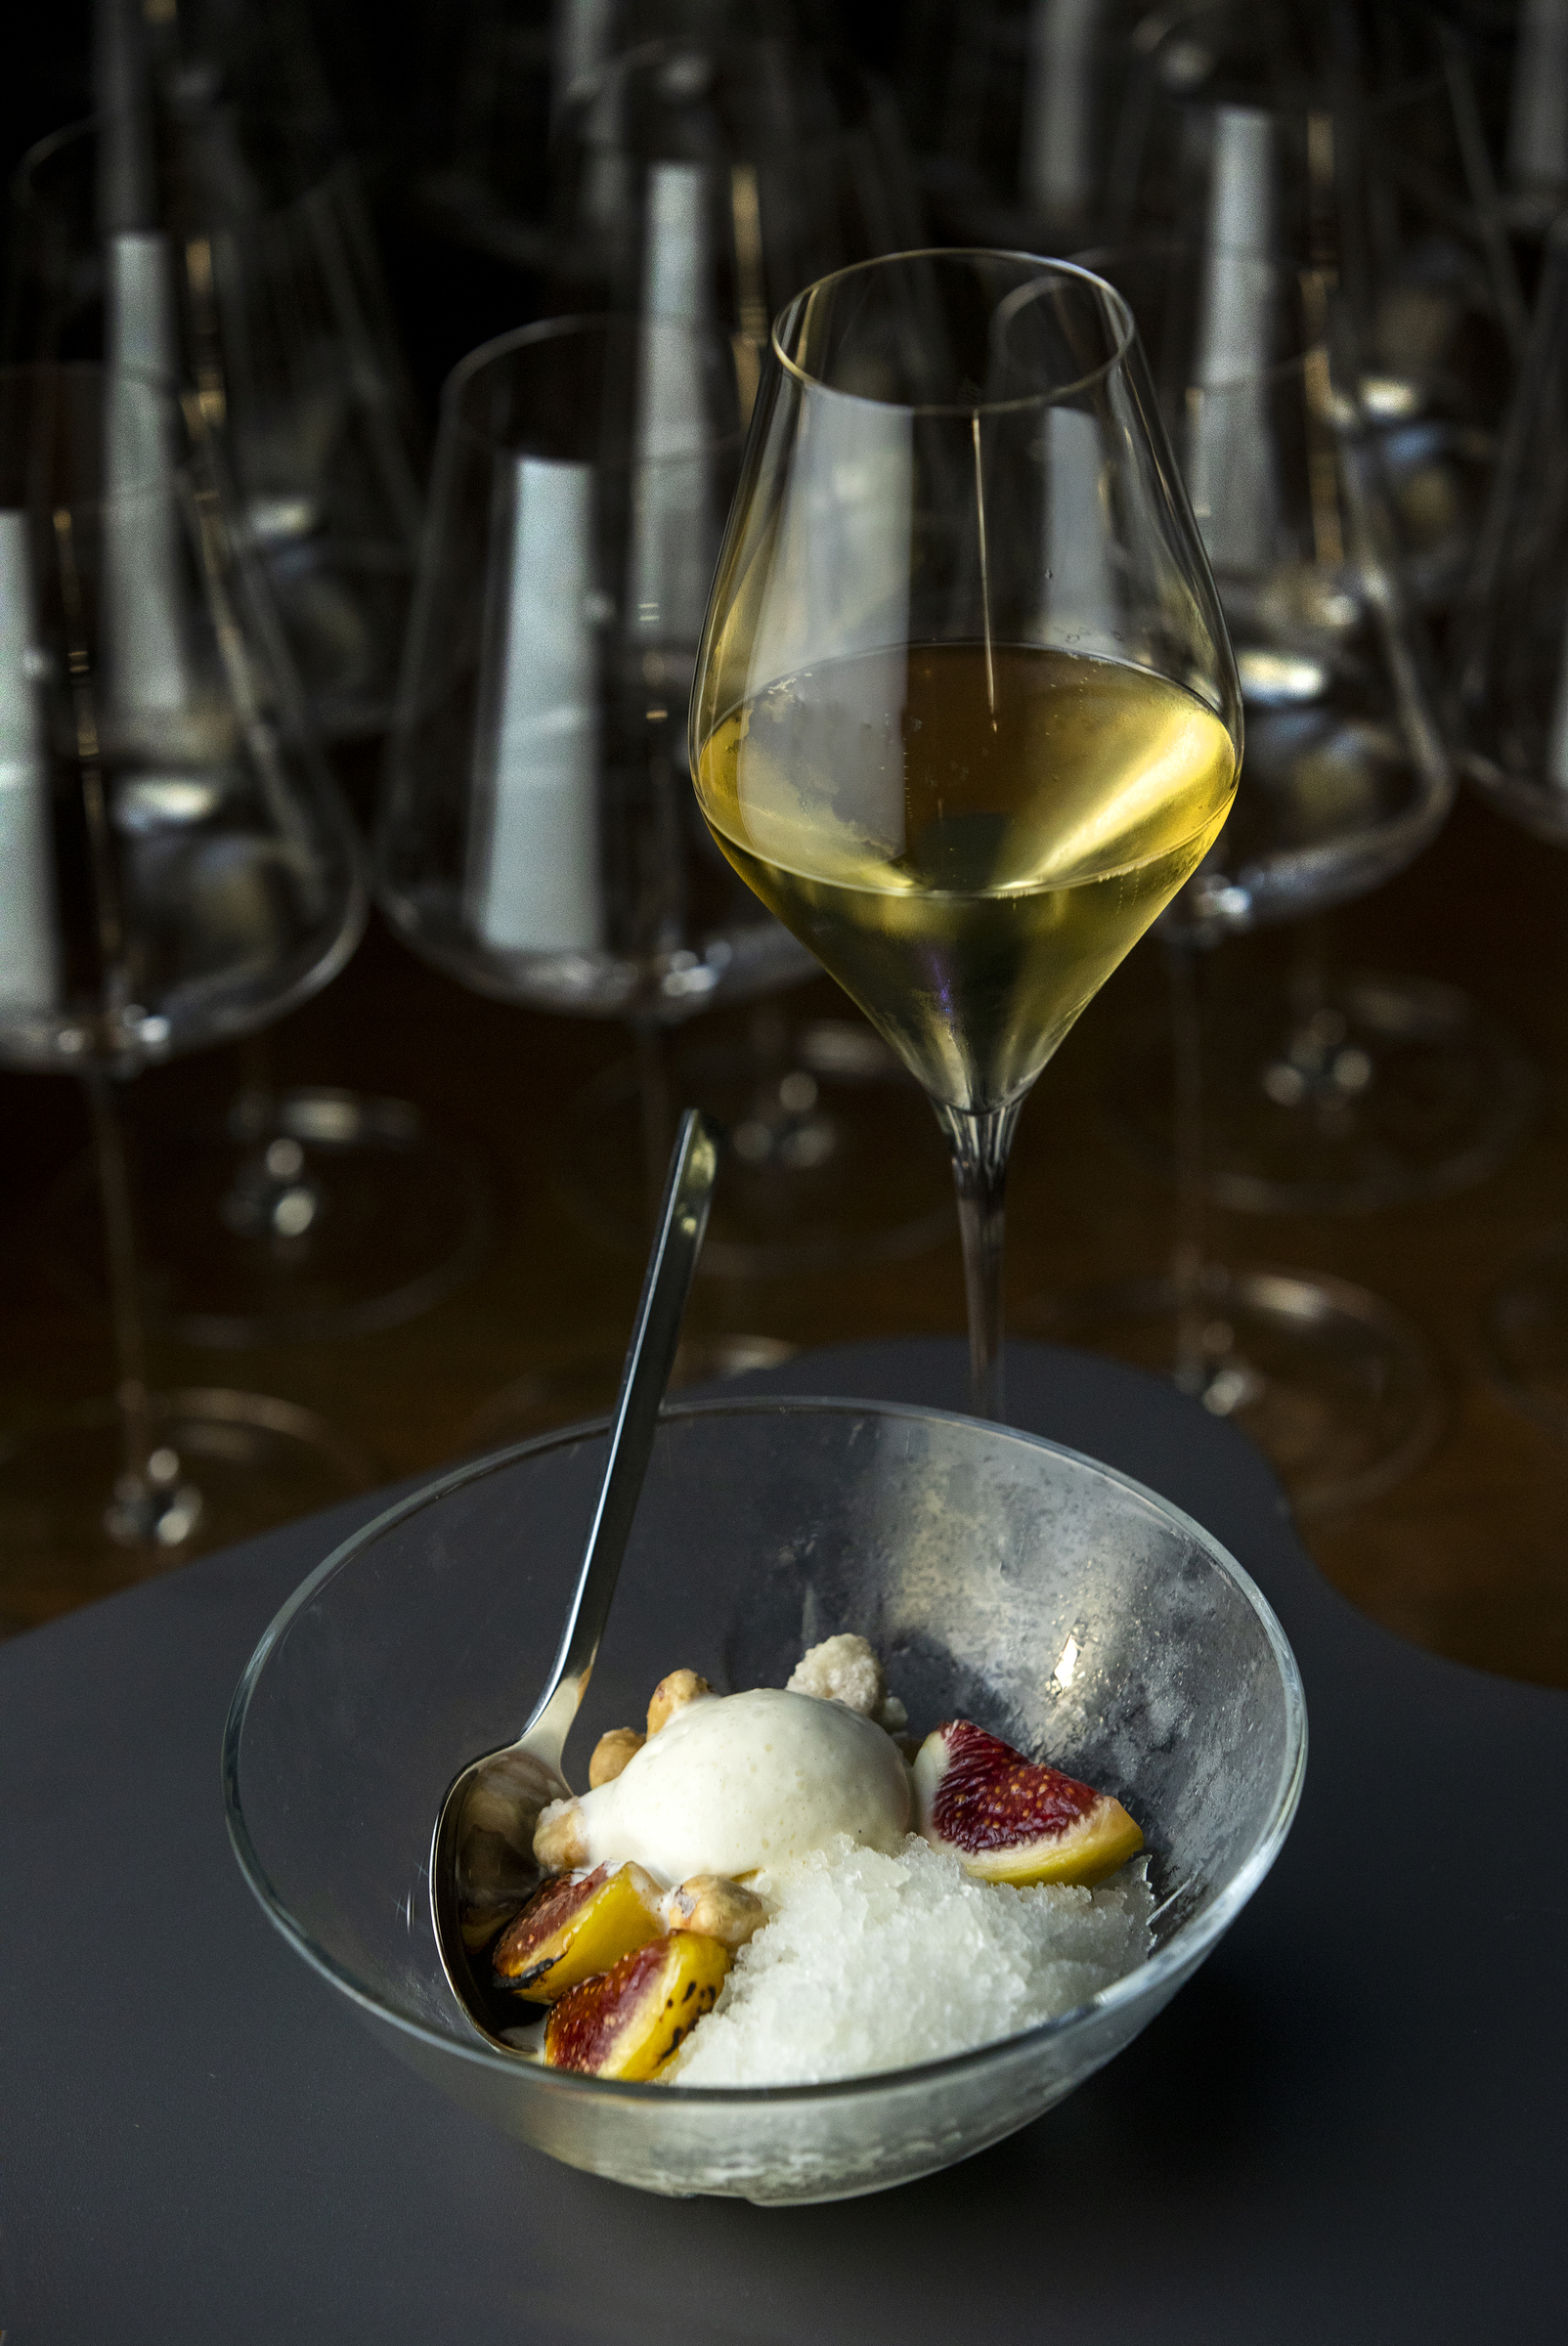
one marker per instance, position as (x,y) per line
(1006,1818)
(571,1930)
(635,2017)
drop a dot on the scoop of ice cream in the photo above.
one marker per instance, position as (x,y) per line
(738,1781)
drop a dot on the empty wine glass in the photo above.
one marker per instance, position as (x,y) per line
(966,715)
(1343,1090)
(1514,709)
(509,73)
(712,176)
(1347,781)
(536,838)
(176,870)
(1016,111)
(226,268)
(232,270)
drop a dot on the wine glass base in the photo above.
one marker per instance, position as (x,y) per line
(1334,1388)
(837,1159)
(304,1214)
(1527,1333)
(226,1465)
(1396,1089)
(584,1385)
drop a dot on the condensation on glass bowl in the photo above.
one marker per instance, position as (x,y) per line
(1002,1576)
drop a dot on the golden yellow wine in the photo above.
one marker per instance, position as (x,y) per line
(971,870)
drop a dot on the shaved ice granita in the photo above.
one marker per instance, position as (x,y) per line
(777,1888)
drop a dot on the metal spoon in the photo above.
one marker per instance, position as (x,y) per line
(482,1864)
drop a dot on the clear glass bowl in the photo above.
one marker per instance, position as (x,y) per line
(1002,1577)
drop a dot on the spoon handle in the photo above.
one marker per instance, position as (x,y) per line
(682,1220)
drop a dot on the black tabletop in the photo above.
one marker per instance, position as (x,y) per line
(1348,2127)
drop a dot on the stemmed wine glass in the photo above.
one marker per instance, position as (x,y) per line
(712,175)
(965,716)
(1512,697)
(1344,150)
(537,838)
(176,870)
(180,234)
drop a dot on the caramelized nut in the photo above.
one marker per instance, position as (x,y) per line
(717,1910)
(611,1754)
(673,1694)
(560,1842)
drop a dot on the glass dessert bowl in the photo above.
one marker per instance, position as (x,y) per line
(1001,1577)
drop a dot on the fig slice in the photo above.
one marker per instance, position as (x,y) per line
(1006,1818)
(635,2017)
(572,1929)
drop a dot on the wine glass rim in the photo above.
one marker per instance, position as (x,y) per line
(542,330)
(25,192)
(1042,262)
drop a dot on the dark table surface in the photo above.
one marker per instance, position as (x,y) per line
(1349,2126)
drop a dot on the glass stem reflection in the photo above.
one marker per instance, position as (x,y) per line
(1186,1265)
(132,1497)
(979,1140)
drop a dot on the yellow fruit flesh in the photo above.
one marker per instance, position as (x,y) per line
(619,1916)
(630,2026)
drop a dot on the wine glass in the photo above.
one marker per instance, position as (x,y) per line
(1015,109)
(1348,779)
(537,838)
(176,870)
(185,234)
(1350,158)
(185,240)
(712,176)
(966,715)
(1513,707)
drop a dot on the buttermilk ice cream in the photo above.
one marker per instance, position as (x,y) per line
(737,1782)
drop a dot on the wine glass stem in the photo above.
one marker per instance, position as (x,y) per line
(979,1140)
(1187,1267)
(124,1280)
(650,1051)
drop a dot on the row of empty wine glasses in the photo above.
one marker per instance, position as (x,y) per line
(656,299)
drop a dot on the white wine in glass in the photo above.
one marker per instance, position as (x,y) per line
(966,716)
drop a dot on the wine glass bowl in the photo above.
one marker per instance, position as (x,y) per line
(973,1557)
(535,838)
(210,250)
(207,877)
(965,716)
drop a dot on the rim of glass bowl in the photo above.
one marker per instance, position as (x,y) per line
(1192,1940)
(555,329)
(1041,262)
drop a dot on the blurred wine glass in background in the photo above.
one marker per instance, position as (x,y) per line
(197,229)
(1016,112)
(1513,710)
(708,179)
(1345,780)
(176,869)
(538,831)
(1346,148)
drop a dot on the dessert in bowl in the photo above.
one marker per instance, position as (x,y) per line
(1000,1578)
